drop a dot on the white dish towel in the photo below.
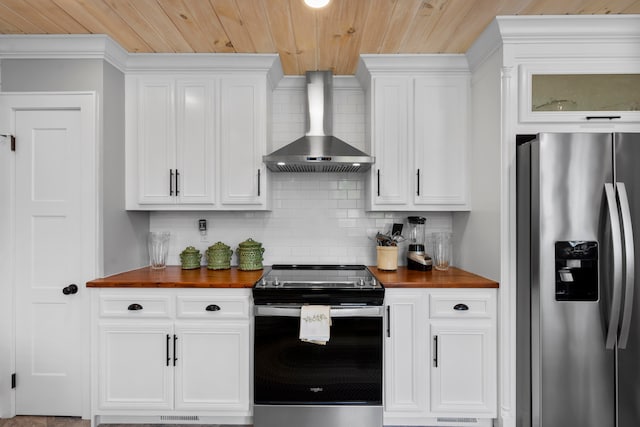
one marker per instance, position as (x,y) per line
(315,323)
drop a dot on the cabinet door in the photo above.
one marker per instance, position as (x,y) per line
(243,133)
(195,155)
(440,128)
(156,141)
(390,143)
(212,367)
(405,373)
(463,372)
(135,369)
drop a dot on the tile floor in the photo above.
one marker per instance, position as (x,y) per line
(29,421)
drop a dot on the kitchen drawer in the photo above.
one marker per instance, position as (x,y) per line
(213,307)
(480,306)
(136,306)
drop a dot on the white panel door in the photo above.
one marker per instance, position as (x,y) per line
(390,141)
(136,365)
(156,141)
(212,367)
(49,254)
(195,160)
(242,140)
(462,368)
(440,140)
(405,347)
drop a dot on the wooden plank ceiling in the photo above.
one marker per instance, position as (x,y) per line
(306,39)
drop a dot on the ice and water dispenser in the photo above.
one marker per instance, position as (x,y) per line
(576,270)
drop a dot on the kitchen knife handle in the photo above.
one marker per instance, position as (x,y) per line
(629,253)
(171,182)
(616,298)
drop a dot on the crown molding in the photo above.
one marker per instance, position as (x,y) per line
(98,46)
(551,31)
(63,46)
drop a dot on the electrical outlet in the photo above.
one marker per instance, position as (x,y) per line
(202,227)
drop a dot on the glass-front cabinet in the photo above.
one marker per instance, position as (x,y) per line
(579,94)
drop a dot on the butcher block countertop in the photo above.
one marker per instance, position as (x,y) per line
(173,276)
(452,278)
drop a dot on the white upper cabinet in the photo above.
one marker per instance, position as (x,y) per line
(174,141)
(243,139)
(418,130)
(579,93)
(440,134)
(195,139)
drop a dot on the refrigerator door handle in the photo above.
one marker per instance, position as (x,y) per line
(616,235)
(629,252)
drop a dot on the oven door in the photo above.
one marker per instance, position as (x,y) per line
(345,371)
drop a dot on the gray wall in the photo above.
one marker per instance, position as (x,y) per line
(477,233)
(123,233)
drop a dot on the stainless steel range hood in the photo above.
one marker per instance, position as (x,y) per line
(318,150)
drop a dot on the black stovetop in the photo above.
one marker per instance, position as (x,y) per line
(318,284)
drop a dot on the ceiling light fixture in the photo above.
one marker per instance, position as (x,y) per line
(316,4)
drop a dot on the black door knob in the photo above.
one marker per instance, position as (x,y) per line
(71,289)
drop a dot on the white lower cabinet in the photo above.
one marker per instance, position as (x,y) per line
(440,357)
(173,355)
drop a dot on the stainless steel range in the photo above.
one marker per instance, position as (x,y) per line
(337,382)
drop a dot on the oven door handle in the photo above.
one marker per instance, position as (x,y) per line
(369,311)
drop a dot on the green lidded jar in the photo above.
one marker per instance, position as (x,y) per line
(190,258)
(219,257)
(250,255)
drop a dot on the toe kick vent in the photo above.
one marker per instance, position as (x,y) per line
(179,418)
(457,420)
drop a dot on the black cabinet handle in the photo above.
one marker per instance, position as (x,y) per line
(418,179)
(603,117)
(213,307)
(435,351)
(258,182)
(175,356)
(70,290)
(168,358)
(134,307)
(461,307)
(171,182)
(177,184)
(378,182)
(388,321)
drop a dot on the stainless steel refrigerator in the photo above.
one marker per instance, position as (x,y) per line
(578,316)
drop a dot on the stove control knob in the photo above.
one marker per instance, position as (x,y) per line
(361,282)
(263,283)
(276,282)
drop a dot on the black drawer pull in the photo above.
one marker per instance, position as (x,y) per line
(134,307)
(213,307)
(461,307)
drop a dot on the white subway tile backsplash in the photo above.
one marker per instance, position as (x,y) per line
(315,218)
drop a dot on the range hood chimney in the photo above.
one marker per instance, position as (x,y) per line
(318,150)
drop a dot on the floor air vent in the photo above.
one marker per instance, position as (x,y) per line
(179,418)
